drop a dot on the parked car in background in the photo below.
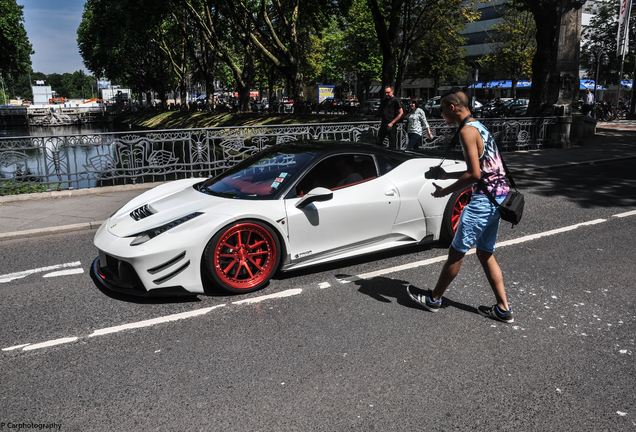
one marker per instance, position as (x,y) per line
(370,106)
(433,107)
(328,105)
(516,107)
(495,108)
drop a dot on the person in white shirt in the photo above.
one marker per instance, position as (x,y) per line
(588,103)
(416,124)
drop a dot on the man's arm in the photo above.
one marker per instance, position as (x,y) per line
(470,139)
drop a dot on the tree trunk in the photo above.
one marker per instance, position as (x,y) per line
(545,80)
(244,98)
(183,95)
(514,88)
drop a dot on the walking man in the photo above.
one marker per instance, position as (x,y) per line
(479,221)
(391,112)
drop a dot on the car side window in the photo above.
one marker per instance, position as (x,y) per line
(338,172)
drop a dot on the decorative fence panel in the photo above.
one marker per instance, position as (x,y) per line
(92,160)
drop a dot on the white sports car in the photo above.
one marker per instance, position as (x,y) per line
(287,207)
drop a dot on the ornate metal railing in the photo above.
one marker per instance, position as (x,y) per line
(82,161)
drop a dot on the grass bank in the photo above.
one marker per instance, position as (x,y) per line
(185,120)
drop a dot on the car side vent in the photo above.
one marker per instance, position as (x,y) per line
(142,212)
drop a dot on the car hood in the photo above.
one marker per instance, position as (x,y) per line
(164,204)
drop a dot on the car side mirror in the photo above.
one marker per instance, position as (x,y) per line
(316,194)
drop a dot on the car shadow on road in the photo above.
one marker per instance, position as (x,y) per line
(384,289)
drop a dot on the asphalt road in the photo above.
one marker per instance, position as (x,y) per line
(323,355)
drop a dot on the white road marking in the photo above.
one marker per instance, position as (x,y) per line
(64,272)
(443,258)
(154,321)
(14,347)
(286,293)
(622,215)
(323,285)
(19,275)
(50,343)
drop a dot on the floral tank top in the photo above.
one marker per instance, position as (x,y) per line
(492,170)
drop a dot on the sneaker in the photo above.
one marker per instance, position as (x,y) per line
(424,300)
(496,313)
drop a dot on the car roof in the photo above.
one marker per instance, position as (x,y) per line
(338,147)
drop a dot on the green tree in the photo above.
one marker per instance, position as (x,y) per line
(600,37)
(515,46)
(401,25)
(121,40)
(437,50)
(229,41)
(361,53)
(15,48)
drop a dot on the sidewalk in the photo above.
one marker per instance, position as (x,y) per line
(32,215)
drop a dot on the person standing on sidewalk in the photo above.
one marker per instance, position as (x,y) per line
(416,123)
(479,221)
(390,112)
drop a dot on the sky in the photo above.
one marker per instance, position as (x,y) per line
(51,26)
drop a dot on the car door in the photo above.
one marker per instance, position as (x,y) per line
(363,207)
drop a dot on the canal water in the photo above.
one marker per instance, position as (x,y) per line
(57,130)
(36,163)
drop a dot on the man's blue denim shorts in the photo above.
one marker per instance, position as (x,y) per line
(478,225)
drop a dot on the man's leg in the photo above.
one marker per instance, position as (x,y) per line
(495,277)
(381,135)
(449,271)
(393,144)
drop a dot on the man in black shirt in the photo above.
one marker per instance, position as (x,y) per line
(391,112)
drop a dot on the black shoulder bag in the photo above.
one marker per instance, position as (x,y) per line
(511,209)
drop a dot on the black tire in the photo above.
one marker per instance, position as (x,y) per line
(456,203)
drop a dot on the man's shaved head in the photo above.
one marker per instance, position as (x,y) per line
(457,98)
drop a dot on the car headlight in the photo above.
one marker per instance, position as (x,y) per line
(144,236)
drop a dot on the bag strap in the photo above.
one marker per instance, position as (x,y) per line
(506,170)
(453,140)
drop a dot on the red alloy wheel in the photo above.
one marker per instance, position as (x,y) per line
(462,201)
(245,256)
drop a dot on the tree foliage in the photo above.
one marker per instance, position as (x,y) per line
(15,48)
(515,46)
(600,37)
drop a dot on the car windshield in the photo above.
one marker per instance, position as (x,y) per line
(260,177)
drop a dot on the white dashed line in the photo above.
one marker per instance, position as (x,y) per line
(19,275)
(287,293)
(443,258)
(154,321)
(64,272)
(50,343)
(14,347)
(253,300)
(622,215)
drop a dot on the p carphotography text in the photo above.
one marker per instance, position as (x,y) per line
(18,426)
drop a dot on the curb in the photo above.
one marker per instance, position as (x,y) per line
(50,230)
(77,192)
